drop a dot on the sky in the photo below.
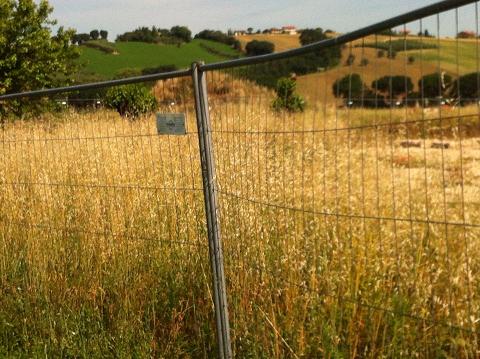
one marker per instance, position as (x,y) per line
(118,16)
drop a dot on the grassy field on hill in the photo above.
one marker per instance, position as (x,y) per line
(137,55)
(444,57)
(281,42)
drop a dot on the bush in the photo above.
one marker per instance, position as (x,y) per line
(131,101)
(159,69)
(411,59)
(256,48)
(350,60)
(101,45)
(287,98)
(380,54)
(364,62)
(392,54)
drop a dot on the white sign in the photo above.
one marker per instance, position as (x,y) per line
(171,124)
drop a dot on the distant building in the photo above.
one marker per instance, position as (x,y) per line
(289,30)
(239,32)
(466,35)
(275,31)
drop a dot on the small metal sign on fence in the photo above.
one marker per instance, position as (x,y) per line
(171,124)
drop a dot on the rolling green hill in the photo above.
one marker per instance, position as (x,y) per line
(138,55)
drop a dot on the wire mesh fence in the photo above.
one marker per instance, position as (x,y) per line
(348,205)
(102,221)
(354,223)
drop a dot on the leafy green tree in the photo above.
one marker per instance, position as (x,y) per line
(434,85)
(31,57)
(467,88)
(94,34)
(287,98)
(83,38)
(349,86)
(393,85)
(104,34)
(325,58)
(181,32)
(309,36)
(255,48)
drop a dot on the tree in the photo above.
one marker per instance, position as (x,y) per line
(219,36)
(181,32)
(321,58)
(31,57)
(468,88)
(104,34)
(250,30)
(94,34)
(309,36)
(434,85)
(393,85)
(287,98)
(255,48)
(350,86)
(80,38)
(131,101)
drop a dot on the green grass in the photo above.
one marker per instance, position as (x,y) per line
(137,55)
(448,55)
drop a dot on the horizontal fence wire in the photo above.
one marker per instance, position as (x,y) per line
(349,203)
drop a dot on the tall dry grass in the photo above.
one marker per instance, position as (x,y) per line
(338,242)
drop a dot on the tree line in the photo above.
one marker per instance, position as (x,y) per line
(79,39)
(432,88)
(155,35)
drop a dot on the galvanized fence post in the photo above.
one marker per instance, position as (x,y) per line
(211,209)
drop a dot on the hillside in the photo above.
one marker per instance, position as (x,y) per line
(281,42)
(137,55)
(319,85)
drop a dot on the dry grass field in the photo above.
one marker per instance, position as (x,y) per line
(338,242)
(282,42)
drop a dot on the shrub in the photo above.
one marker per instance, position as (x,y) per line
(391,54)
(101,45)
(380,54)
(131,101)
(364,62)
(411,59)
(287,98)
(350,60)
(255,48)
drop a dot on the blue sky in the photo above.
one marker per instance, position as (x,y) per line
(118,16)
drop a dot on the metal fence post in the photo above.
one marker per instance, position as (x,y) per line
(211,209)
